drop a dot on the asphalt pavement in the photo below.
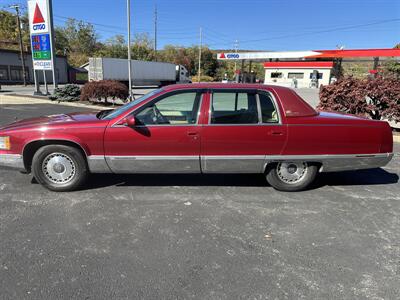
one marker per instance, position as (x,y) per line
(199,237)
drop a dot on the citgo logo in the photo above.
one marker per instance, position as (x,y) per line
(232,55)
(39,27)
(38,20)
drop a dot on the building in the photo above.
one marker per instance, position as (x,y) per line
(303,74)
(311,68)
(11,69)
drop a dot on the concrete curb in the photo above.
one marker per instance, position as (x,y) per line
(23,99)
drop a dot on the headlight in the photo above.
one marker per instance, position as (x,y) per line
(5,143)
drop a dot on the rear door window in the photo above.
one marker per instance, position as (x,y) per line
(234,108)
(269,113)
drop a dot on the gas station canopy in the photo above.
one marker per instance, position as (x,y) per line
(310,54)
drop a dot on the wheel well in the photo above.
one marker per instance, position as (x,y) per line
(31,148)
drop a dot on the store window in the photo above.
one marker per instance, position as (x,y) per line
(319,75)
(4,73)
(276,75)
(16,74)
(296,75)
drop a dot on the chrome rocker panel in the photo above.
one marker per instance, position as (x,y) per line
(342,162)
(13,161)
(229,163)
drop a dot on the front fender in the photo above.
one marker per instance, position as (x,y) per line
(54,138)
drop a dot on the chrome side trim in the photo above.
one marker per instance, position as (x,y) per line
(232,163)
(98,164)
(14,161)
(154,164)
(334,163)
(227,163)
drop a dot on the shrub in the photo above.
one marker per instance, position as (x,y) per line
(377,98)
(96,91)
(69,92)
(203,78)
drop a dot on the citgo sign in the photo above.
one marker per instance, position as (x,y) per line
(39,22)
(38,16)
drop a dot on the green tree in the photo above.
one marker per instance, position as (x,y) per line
(114,47)
(82,41)
(9,31)
(392,67)
(179,56)
(142,47)
(61,41)
(189,56)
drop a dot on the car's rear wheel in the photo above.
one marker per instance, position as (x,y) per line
(59,168)
(291,176)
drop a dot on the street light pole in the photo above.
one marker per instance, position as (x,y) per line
(21,48)
(128,8)
(201,41)
(155,32)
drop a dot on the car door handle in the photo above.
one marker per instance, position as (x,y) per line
(193,135)
(272,132)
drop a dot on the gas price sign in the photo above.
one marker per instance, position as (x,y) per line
(41,47)
(41,51)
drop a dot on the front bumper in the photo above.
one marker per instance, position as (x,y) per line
(13,161)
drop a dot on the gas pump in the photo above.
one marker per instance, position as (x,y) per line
(314,79)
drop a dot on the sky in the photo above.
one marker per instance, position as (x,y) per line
(278,25)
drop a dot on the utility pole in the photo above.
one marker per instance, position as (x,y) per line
(21,47)
(128,13)
(53,45)
(236,46)
(155,32)
(200,45)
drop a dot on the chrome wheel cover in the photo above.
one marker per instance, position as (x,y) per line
(58,168)
(291,172)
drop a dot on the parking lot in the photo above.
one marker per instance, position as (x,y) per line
(192,236)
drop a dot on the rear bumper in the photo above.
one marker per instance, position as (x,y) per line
(356,162)
(13,161)
(341,162)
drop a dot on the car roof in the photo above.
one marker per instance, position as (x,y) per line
(220,85)
(293,105)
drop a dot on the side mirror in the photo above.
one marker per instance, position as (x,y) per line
(128,121)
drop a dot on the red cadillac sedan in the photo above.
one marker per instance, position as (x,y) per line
(198,128)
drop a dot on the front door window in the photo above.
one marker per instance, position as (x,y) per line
(177,109)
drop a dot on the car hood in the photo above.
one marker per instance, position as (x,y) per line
(71,118)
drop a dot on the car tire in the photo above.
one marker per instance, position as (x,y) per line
(290,176)
(59,168)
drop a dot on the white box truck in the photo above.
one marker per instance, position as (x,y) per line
(144,73)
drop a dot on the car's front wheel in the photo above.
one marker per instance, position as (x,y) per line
(291,176)
(59,168)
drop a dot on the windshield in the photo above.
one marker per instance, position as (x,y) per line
(119,111)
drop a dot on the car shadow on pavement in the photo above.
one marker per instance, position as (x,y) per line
(361,177)
(103,180)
